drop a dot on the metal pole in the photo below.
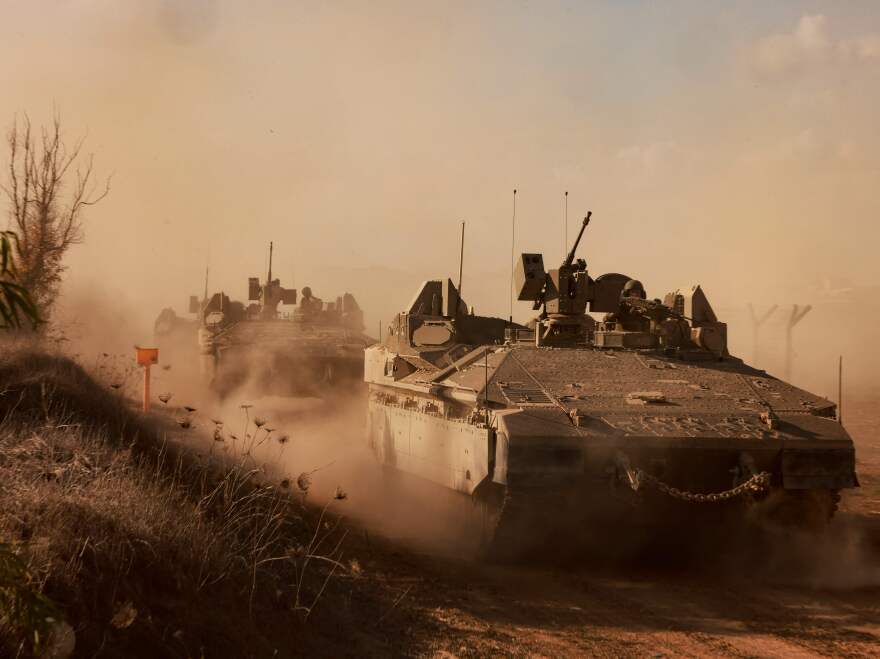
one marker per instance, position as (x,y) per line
(788,347)
(797,315)
(147,388)
(756,326)
(840,390)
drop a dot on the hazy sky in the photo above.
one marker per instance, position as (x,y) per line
(731,144)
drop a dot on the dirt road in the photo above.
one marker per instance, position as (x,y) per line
(793,596)
(802,597)
(460,610)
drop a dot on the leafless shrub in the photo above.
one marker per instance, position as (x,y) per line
(49,183)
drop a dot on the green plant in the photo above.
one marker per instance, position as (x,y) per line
(26,615)
(16,305)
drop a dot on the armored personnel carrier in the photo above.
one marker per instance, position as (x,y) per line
(314,347)
(571,424)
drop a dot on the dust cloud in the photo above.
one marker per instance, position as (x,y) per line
(317,449)
(735,151)
(840,558)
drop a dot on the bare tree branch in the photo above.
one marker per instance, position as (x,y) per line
(48,185)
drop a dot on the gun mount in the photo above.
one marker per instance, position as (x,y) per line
(565,295)
(270,294)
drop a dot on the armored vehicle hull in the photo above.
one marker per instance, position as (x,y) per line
(284,358)
(557,438)
(561,429)
(314,348)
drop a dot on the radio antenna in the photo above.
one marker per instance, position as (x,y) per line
(840,390)
(461,260)
(565,225)
(205,298)
(512,259)
(269,278)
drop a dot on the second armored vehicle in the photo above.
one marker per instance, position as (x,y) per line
(572,423)
(315,347)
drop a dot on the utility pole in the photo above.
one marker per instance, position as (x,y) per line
(797,315)
(756,326)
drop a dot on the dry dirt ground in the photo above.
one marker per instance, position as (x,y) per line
(792,596)
(802,597)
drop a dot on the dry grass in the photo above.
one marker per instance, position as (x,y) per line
(144,551)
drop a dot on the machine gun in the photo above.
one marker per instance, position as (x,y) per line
(564,291)
(642,323)
(270,294)
(570,258)
(651,309)
(567,290)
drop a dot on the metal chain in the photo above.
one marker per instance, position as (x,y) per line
(757,483)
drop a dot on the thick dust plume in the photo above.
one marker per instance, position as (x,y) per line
(315,447)
(732,148)
(735,149)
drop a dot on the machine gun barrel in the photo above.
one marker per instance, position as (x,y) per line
(570,258)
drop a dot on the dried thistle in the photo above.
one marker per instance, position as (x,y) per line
(340,494)
(216,422)
(186,424)
(285,483)
(283,439)
(124,616)
(259,422)
(115,385)
(189,409)
(218,435)
(304,482)
(165,398)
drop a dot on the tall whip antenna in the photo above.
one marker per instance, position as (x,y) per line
(269,278)
(461,260)
(565,226)
(512,258)
(840,390)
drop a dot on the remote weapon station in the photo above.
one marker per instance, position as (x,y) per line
(571,422)
(309,350)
